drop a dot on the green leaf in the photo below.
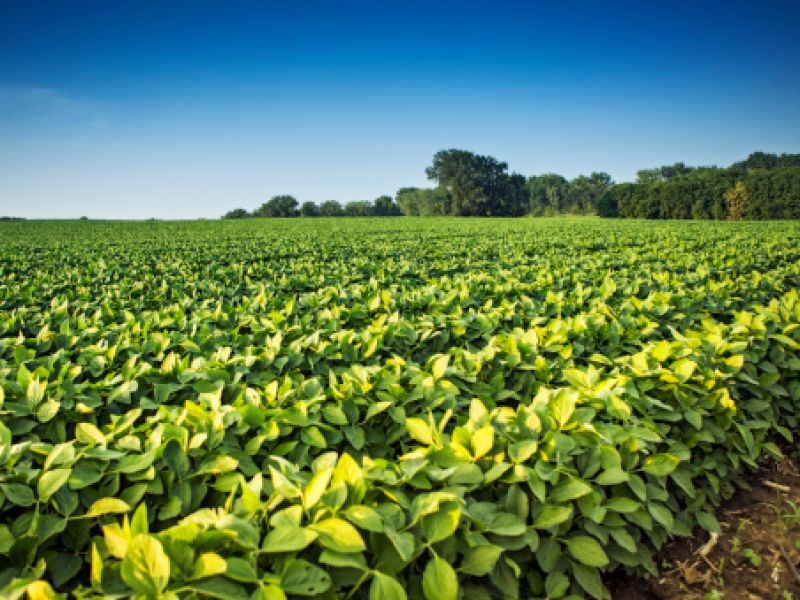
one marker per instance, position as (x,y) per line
(136,462)
(612,476)
(145,567)
(661,514)
(60,454)
(587,550)
(287,538)
(552,515)
(209,564)
(106,506)
(556,584)
(6,539)
(480,560)
(18,494)
(339,535)
(482,441)
(563,406)
(661,351)
(520,452)
(337,559)
(589,579)
(267,591)
(570,489)
(316,487)
(304,579)
(214,466)
(240,570)
(439,365)
(684,369)
(439,581)
(509,524)
(87,433)
(365,517)
(442,524)
(217,587)
(403,542)
(385,587)
(47,410)
(139,521)
(708,521)
(51,481)
(660,464)
(419,430)
(621,504)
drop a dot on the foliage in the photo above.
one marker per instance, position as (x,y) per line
(765,186)
(384,206)
(237,213)
(358,208)
(278,206)
(387,409)
(422,202)
(309,209)
(331,208)
(470,184)
(475,185)
(738,201)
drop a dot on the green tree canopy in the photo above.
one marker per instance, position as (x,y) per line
(331,208)
(472,184)
(309,209)
(384,206)
(283,205)
(237,213)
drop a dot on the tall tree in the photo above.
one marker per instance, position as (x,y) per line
(278,206)
(358,208)
(309,209)
(384,206)
(331,208)
(472,184)
(546,193)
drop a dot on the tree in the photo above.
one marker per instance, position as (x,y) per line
(331,208)
(546,193)
(309,209)
(738,201)
(472,184)
(358,208)
(237,213)
(514,196)
(606,205)
(384,206)
(278,206)
(425,202)
(584,192)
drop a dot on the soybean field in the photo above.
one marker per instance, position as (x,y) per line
(384,408)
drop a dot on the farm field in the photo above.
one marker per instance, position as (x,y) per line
(381,408)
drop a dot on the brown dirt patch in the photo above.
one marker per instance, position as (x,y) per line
(757,557)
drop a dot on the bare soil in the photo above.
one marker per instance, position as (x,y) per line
(757,557)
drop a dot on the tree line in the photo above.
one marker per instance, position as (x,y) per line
(764,186)
(288,206)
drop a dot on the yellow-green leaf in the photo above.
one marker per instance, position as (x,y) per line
(339,535)
(107,506)
(146,567)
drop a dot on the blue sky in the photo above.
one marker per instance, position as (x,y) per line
(187,109)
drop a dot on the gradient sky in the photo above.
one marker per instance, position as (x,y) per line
(187,109)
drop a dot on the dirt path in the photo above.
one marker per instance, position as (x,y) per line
(757,557)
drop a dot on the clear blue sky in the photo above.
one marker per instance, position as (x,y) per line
(187,109)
